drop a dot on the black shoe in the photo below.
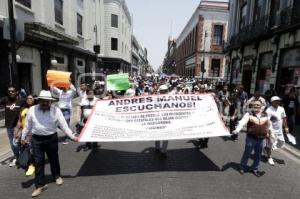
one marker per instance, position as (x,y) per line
(163,155)
(256,173)
(157,150)
(234,137)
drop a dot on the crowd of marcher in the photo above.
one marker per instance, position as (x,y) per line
(35,120)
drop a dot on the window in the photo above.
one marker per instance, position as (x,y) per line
(60,60)
(26,3)
(80,3)
(59,11)
(114,44)
(79,63)
(260,7)
(114,21)
(275,7)
(215,67)
(79,24)
(218,35)
(243,16)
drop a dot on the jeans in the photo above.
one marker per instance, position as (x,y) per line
(252,144)
(10,135)
(42,145)
(291,122)
(164,146)
(67,115)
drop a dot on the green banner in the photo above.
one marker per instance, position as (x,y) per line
(117,82)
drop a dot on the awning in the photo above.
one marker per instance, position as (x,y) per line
(48,33)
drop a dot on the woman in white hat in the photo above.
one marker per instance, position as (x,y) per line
(277,116)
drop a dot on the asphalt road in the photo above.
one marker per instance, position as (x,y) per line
(134,171)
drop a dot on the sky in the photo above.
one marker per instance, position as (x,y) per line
(152,21)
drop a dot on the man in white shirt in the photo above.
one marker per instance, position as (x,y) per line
(86,107)
(82,91)
(277,116)
(257,96)
(161,146)
(42,121)
(65,97)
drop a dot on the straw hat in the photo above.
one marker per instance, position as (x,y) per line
(46,95)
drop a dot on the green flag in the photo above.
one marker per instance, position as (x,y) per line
(117,82)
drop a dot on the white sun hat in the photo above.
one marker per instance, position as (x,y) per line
(45,95)
(275,98)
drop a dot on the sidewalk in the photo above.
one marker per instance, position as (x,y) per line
(5,151)
(294,149)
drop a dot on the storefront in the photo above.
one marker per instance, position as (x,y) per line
(289,70)
(264,72)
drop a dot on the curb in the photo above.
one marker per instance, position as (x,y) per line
(292,150)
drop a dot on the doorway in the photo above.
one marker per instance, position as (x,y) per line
(246,81)
(24,73)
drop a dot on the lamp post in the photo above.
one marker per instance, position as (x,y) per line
(203,58)
(14,78)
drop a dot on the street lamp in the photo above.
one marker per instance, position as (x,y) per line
(12,30)
(53,62)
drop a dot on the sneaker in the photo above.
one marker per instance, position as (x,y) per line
(65,142)
(38,191)
(271,161)
(12,163)
(59,181)
(256,173)
(30,170)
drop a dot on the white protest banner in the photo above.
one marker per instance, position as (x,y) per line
(157,117)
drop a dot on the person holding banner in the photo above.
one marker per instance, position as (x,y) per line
(86,106)
(42,121)
(257,122)
(202,142)
(65,97)
(163,89)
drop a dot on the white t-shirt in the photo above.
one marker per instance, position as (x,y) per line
(276,116)
(87,106)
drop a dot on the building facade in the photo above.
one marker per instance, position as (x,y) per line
(60,30)
(199,50)
(139,58)
(169,63)
(82,36)
(264,44)
(117,32)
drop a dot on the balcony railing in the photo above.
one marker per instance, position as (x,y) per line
(296,13)
(265,25)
